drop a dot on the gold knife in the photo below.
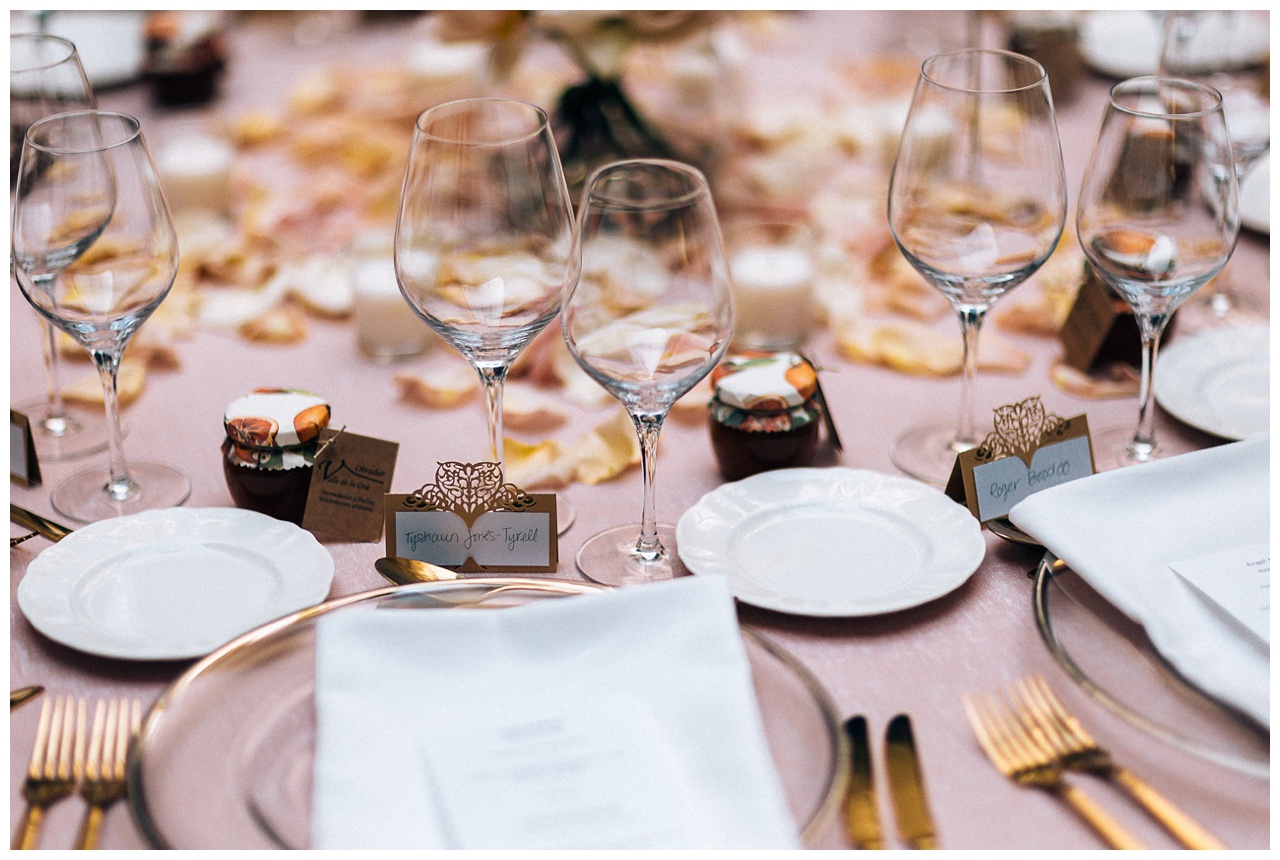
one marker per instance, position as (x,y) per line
(23,694)
(862,820)
(27,519)
(910,806)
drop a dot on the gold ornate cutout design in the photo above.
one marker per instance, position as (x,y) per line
(468,490)
(1021,428)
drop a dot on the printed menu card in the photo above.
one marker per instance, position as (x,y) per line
(1238,581)
(620,719)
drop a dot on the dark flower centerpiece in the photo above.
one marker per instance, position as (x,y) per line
(595,119)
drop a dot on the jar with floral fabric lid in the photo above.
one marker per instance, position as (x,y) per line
(269,453)
(765,413)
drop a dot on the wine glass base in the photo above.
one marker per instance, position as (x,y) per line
(84,433)
(927,452)
(566,515)
(1113,449)
(610,557)
(83,497)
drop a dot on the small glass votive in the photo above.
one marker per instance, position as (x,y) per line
(196,166)
(387,329)
(773,266)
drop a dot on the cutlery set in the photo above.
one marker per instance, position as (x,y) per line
(67,756)
(906,787)
(1032,739)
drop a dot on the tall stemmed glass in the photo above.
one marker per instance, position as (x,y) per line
(1158,217)
(94,251)
(45,77)
(975,213)
(647,313)
(483,234)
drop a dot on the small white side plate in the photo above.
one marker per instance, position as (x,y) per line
(1255,197)
(172,584)
(1219,381)
(831,542)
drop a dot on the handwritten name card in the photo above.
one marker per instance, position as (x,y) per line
(471,521)
(1030,450)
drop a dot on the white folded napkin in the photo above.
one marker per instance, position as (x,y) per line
(623,719)
(1125,532)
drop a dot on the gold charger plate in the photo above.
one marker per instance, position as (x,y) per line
(1112,659)
(225,755)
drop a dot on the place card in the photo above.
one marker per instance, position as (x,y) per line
(1030,450)
(349,481)
(472,521)
(1239,581)
(24,466)
(1100,329)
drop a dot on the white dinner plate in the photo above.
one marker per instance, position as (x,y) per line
(172,584)
(1126,43)
(1255,197)
(111,44)
(1218,381)
(831,542)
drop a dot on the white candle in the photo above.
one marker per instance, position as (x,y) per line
(386,327)
(195,173)
(773,297)
(443,71)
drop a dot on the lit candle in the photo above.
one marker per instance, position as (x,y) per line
(386,327)
(195,173)
(773,293)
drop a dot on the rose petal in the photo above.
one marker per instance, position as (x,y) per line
(448,387)
(129,384)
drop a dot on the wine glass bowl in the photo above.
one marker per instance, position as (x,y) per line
(648,313)
(977,203)
(45,78)
(1157,218)
(483,234)
(94,252)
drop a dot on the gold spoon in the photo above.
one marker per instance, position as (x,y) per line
(406,571)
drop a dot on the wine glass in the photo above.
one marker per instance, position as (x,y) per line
(1248,114)
(647,313)
(45,77)
(977,203)
(1157,218)
(94,251)
(483,237)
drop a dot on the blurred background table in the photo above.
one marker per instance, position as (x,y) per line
(919,661)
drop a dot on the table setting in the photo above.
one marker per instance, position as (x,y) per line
(382,314)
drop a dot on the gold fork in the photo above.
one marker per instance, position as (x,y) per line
(1023,758)
(52,774)
(114,726)
(1044,715)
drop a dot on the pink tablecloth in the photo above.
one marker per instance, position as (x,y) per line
(920,661)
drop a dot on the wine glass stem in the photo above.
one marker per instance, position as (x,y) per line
(648,428)
(55,417)
(119,485)
(1144,438)
(492,377)
(971,318)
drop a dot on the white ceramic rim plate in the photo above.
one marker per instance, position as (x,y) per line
(1126,43)
(831,542)
(172,584)
(1255,196)
(1218,381)
(111,43)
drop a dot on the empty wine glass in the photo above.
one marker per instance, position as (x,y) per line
(1247,110)
(45,77)
(1158,218)
(94,251)
(977,203)
(647,313)
(483,237)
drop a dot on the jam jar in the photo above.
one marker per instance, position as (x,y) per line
(764,414)
(269,453)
